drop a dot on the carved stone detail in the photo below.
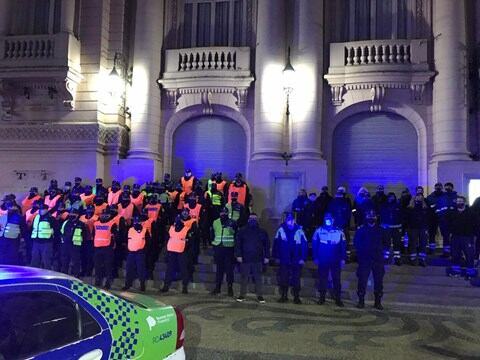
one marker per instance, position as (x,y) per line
(337,94)
(417,91)
(377,94)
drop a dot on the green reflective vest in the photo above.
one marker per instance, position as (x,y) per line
(233,214)
(216,198)
(41,229)
(9,230)
(77,238)
(224,236)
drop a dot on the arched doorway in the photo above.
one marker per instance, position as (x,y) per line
(371,149)
(209,143)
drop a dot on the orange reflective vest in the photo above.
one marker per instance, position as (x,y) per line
(153,211)
(28,203)
(29,216)
(187,185)
(99,209)
(103,233)
(87,199)
(242,193)
(173,195)
(177,240)
(147,224)
(113,198)
(221,185)
(62,216)
(181,200)
(52,202)
(116,220)
(195,212)
(126,213)
(137,202)
(89,223)
(136,240)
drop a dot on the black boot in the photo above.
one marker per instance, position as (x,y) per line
(230,290)
(339,302)
(296,297)
(215,291)
(378,302)
(361,301)
(283,295)
(321,299)
(142,286)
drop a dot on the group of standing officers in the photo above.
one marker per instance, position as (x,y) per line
(80,228)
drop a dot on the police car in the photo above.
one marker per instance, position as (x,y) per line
(47,315)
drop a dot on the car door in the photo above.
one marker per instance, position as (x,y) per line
(43,323)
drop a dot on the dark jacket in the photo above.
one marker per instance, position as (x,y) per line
(16,219)
(463,223)
(369,244)
(360,207)
(379,199)
(69,229)
(446,203)
(252,244)
(321,205)
(290,245)
(328,245)
(390,214)
(341,210)
(298,208)
(416,217)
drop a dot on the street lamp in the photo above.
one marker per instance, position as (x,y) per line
(117,80)
(288,82)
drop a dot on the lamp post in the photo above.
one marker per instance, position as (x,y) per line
(288,82)
(117,80)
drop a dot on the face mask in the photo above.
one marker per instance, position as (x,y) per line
(460,206)
(137,227)
(192,203)
(438,190)
(252,222)
(32,194)
(43,212)
(290,223)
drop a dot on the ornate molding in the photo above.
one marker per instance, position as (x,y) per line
(377,94)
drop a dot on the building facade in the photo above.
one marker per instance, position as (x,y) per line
(383,92)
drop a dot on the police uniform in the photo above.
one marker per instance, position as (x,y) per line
(12,228)
(105,233)
(136,268)
(223,245)
(329,249)
(73,235)
(42,237)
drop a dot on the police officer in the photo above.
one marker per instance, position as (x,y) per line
(178,252)
(43,234)
(137,198)
(446,205)
(224,230)
(391,220)
(463,228)
(99,189)
(321,206)
(369,243)
(138,237)
(12,229)
(89,219)
(105,232)
(28,202)
(341,209)
(432,202)
(29,216)
(236,211)
(241,188)
(361,206)
(299,205)
(73,235)
(416,219)
(290,250)
(188,181)
(329,253)
(379,198)
(114,193)
(215,202)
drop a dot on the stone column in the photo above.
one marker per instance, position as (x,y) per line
(5,15)
(270,58)
(449,123)
(306,100)
(68,16)
(145,95)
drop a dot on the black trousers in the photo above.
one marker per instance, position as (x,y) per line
(9,251)
(225,261)
(323,271)
(255,269)
(136,266)
(70,254)
(417,243)
(432,231)
(103,260)
(42,254)
(445,230)
(462,245)
(87,258)
(174,259)
(289,275)
(363,272)
(394,236)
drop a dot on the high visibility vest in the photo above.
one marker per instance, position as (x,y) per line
(153,211)
(63,215)
(126,213)
(233,214)
(181,200)
(164,198)
(77,237)
(137,202)
(29,216)
(215,198)
(7,229)
(51,202)
(41,229)
(116,219)
(221,185)
(176,242)
(113,198)
(242,193)
(89,222)
(28,203)
(173,195)
(103,233)
(195,212)
(136,240)
(187,185)
(147,224)
(99,208)
(87,199)
(224,236)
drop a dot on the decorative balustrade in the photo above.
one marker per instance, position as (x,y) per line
(28,47)
(375,53)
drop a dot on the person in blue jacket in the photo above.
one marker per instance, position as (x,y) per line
(369,242)
(446,206)
(290,250)
(329,253)
(391,218)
